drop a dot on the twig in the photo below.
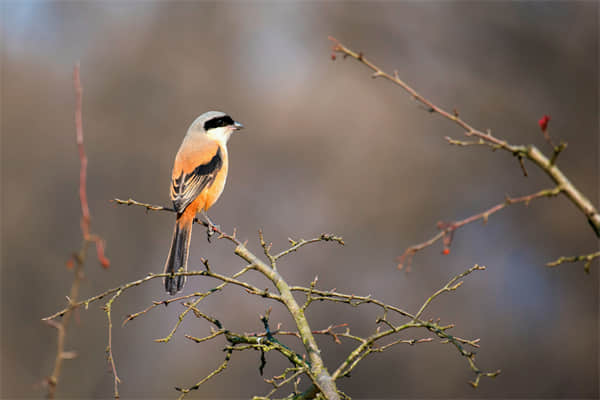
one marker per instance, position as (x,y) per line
(281,380)
(588,258)
(78,258)
(366,346)
(249,288)
(204,339)
(530,152)
(109,352)
(165,302)
(61,327)
(447,229)
(148,207)
(85,209)
(450,286)
(219,369)
(329,331)
(295,245)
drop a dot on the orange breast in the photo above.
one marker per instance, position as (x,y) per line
(210,195)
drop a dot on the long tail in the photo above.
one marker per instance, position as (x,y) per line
(180,248)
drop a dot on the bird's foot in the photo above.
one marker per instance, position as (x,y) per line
(211,230)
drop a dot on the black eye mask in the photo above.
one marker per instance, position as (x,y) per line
(218,122)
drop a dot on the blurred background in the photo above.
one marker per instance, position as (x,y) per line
(326,149)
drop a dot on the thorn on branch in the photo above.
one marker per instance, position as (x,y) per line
(557,150)
(522,165)
(204,262)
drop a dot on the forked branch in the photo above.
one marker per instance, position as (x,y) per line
(529,152)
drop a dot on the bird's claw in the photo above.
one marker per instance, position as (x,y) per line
(211,230)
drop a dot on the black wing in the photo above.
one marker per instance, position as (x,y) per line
(187,187)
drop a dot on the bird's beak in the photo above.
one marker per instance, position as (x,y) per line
(237,126)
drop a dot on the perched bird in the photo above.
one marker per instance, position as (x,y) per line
(198,179)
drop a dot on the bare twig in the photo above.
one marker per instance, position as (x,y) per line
(249,288)
(217,371)
(78,258)
(165,302)
(366,345)
(283,379)
(85,209)
(450,286)
(61,327)
(295,245)
(109,352)
(447,229)
(588,258)
(148,207)
(529,152)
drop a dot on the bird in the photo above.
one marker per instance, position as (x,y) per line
(197,181)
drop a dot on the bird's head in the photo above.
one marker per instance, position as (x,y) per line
(216,124)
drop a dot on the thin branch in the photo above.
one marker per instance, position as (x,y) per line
(61,327)
(366,345)
(351,299)
(295,245)
(206,338)
(78,258)
(148,207)
(109,352)
(265,344)
(165,302)
(450,286)
(167,338)
(329,331)
(217,371)
(588,258)
(85,209)
(281,380)
(447,229)
(249,288)
(530,152)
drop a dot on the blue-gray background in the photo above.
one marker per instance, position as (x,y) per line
(326,149)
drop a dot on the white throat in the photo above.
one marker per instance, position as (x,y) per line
(221,134)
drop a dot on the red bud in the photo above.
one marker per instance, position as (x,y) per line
(543,122)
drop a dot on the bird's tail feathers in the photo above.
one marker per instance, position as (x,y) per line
(178,255)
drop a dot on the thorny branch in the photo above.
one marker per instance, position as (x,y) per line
(530,152)
(78,259)
(310,363)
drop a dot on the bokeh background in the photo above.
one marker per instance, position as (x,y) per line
(326,149)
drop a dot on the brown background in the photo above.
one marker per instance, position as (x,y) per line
(326,149)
